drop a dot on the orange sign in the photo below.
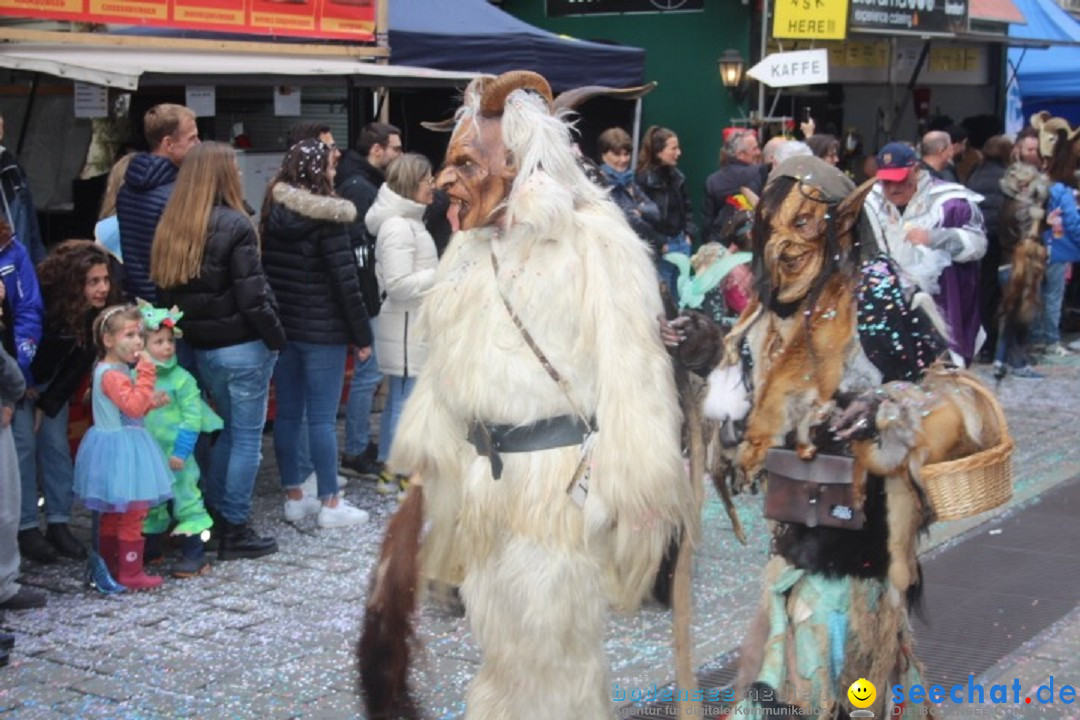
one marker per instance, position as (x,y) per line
(326,19)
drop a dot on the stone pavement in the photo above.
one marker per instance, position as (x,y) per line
(273,638)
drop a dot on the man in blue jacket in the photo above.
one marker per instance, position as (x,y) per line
(170,132)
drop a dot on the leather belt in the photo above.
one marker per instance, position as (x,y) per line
(491,440)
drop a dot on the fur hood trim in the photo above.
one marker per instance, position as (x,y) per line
(316,207)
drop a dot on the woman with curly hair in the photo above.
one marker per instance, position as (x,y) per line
(75,285)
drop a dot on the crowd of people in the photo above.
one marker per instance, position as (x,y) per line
(186,313)
(179,323)
(969,226)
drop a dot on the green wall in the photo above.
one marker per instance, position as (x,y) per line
(680,53)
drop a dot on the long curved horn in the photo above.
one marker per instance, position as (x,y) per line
(493,97)
(571,99)
(475,89)
(446,125)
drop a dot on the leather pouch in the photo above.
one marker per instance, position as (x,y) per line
(813,493)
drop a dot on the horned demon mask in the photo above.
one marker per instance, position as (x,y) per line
(803,229)
(482,167)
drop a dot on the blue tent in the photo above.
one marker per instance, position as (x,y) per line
(473,35)
(1048,78)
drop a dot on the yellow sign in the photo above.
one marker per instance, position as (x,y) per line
(810,19)
(873,54)
(954,59)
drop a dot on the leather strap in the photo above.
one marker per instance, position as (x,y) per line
(490,440)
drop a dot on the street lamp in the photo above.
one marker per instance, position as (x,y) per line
(731,68)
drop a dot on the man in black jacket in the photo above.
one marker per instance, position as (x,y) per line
(741,168)
(359,175)
(170,132)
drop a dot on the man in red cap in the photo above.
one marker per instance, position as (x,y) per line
(935,231)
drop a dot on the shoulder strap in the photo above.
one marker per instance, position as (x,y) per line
(564,386)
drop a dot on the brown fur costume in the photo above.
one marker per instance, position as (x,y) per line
(816,367)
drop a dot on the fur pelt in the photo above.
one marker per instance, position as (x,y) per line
(800,353)
(539,571)
(316,207)
(1021,299)
(941,419)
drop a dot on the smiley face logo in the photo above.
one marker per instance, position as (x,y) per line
(862,693)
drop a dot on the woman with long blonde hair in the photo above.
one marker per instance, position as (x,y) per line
(205,260)
(107,230)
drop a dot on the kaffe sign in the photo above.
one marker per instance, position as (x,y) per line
(920,16)
(810,19)
(328,19)
(788,69)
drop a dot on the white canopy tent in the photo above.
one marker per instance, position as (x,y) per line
(127,67)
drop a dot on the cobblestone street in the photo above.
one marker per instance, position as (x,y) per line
(273,638)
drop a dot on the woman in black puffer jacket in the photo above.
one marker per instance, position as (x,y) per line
(661,179)
(205,260)
(309,259)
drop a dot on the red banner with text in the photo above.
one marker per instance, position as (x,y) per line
(327,19)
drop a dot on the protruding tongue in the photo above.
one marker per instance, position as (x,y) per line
(453,214)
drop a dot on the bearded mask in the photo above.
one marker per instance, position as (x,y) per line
(803,229)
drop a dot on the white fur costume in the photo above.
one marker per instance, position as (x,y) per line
(540,571)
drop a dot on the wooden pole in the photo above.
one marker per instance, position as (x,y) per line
(382,42)
(682,592)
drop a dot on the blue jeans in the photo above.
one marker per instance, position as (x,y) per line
(669,273)
(308,381)
(45,455)
(366,377)
(1047,329)
(238,379)
(10,509)
(400,389)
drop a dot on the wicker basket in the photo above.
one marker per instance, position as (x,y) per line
(976,483)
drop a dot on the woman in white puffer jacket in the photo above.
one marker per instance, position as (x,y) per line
(405,260)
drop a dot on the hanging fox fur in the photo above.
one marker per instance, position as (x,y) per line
(1022,298)
(937,420)
(1023,213)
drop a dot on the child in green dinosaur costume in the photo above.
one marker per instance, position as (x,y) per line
(176,427)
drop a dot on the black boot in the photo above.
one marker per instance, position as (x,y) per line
(59,534)
(194,561)
(240,541)
(154,549)
(7,641)
(34,546)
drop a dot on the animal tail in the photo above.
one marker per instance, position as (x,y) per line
(388,628)
(925,302)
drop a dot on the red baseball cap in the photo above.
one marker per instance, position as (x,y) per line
(895,161)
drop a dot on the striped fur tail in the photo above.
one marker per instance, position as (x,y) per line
(389,618)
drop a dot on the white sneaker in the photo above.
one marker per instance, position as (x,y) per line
(344,515)
(1074,346)
(296,510)
(1057,350)
(311,484)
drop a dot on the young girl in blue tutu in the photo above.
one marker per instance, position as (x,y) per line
(119,470)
